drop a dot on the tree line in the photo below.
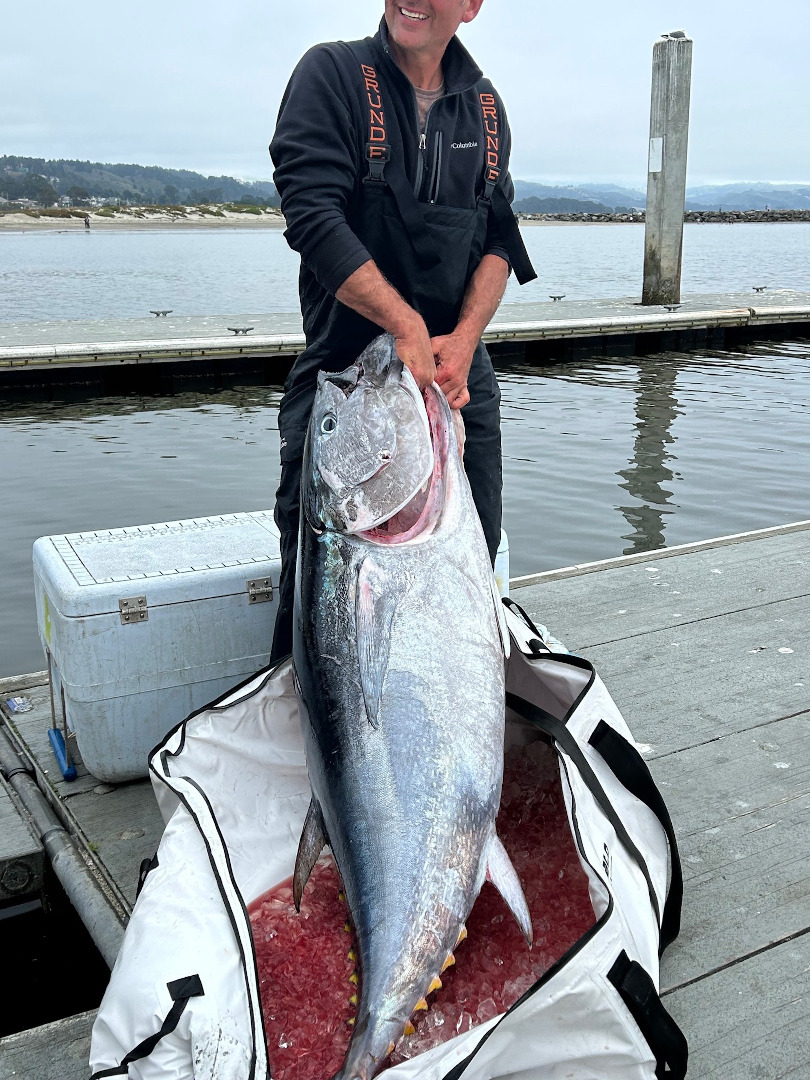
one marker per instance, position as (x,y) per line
(45,182)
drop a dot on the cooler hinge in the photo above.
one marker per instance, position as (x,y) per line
(133,609)
(260,590)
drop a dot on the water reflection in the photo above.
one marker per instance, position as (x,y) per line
(684,446)
(647,473)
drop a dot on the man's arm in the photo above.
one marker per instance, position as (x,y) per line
(454,352)
(317,160)
(369,294)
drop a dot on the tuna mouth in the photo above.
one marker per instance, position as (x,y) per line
(417,519)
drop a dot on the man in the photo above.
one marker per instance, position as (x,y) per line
(391,159)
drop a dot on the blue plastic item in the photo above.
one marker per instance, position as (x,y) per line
(66,766)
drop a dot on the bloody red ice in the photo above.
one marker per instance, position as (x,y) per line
(305,963)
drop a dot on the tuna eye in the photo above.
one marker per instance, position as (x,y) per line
(328,424)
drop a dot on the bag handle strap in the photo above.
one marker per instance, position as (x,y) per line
(557,730)
(632,771)
(663,1036)
(180,990)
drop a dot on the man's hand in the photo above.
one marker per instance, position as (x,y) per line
(454,355)
(367,292)
(415,350)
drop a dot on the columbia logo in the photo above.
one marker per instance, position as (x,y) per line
(463,145)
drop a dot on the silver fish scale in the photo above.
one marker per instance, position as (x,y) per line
(409,800)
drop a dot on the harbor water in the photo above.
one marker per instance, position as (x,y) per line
(70,275)
(601,458)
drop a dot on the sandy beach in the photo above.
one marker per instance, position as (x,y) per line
(135,218)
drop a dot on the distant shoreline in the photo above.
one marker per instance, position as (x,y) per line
(136,219)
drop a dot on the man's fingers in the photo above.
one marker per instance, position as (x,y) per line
(458,399)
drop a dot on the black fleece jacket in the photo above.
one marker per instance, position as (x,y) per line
(319,153)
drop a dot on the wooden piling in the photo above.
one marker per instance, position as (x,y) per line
(666,176)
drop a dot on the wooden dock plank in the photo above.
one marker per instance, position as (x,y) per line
(695,665)
(57,1051)
(630,601)
(121,827)
(741,810)
(22,859)
(690,684)
(32,728)
(750,1021)
(82,342)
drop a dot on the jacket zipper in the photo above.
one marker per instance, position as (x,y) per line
(436,174)
(422,155)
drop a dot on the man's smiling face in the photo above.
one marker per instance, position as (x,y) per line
(427,24)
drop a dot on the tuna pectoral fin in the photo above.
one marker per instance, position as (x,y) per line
(313,841)
(374,613)
(503,876)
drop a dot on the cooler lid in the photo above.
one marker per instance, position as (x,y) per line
(172,562)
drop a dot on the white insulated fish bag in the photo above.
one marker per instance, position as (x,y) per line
(231,781)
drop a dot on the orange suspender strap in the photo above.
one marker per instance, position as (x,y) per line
(492,126)
(378,151)
(378,154)
(493,189)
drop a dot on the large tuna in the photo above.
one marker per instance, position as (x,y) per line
(399,656)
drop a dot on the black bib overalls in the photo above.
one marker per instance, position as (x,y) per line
(429,253)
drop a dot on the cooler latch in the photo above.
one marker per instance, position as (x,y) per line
(133,609)
(260,590)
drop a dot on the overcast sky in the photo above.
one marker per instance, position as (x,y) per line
(197,85)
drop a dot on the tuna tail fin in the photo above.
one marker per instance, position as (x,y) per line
(313,840)
(503,876)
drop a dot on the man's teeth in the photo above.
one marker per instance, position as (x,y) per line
(412,14)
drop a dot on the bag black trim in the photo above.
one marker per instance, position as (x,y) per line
(458,1069)
(180,991)
(632,771)
(555,728)
(225,899)
(662,1034)
(540,649)
(145,869)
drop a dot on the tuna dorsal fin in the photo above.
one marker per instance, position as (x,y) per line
(503,876)
(313,841)
(374,613)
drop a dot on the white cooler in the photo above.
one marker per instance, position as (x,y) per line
(147,624)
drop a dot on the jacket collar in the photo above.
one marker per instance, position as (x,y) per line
(460,70)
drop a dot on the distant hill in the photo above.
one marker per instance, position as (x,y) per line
(533,205)
(26,177)
(46,181)
(749,197)
(742,196)
(604,196)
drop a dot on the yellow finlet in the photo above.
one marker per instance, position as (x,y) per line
(435,985)
(352,955)
(448,962)
(461,935)
(347,928)
(353,999)
(351,1022)
(409,1029)
(353,978)
(421,1004)
(390,1049)
(341,897)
